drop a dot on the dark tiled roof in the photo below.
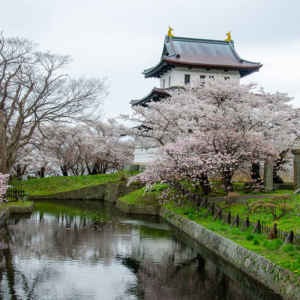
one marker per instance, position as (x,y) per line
(155,94)
(199,53)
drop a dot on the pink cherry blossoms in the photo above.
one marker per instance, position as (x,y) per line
(202,155)
(93,147)
(219,126)
(4,178)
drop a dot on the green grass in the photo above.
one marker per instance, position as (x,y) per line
(218,191)
(287,223)
(15,203)
(137,197)
(287,257)
(58,184)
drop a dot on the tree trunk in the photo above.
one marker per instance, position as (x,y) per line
(255,172)
(19,171)
(255,176)
(280,161)
(41,172)
(95,170)
(226,179)
(204,183)
(3,153)
(64,171)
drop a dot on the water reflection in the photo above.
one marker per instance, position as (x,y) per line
(90,250)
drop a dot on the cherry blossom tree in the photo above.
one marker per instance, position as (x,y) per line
(4,178)
(93,147)
(34,90)
(106,147)
(222,151)
(188,111)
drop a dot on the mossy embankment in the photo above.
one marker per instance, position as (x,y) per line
(59,184)
(287,257)
(16,207)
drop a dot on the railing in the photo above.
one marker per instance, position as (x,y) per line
(14,195)
(270,232)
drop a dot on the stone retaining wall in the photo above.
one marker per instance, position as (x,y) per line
(279,280)
(138,209)
(15,210)
(109,191)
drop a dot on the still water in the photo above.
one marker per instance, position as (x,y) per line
(90,250)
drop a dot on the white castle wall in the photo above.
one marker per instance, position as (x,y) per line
(141,155)
(177,75)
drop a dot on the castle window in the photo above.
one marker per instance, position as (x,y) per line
(226,78)
(211,77)
(164,83)
(187,79)
(202,77)
(169,81)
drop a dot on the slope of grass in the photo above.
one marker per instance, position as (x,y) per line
(52,185)
(137,197)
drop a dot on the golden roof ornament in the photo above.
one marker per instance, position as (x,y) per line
(170,31)
(229,37)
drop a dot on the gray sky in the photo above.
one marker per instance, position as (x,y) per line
(119,39)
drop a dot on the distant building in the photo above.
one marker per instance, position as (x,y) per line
(186,59)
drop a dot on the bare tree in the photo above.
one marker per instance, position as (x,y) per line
(34,90)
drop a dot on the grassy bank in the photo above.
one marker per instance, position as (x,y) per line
(287,256)
(58,184)
(15,203)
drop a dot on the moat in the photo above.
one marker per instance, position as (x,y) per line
(90,250)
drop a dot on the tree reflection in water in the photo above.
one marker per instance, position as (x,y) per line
(90,250)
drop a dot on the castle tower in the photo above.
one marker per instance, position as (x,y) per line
(186,59)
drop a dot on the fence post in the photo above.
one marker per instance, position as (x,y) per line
(229,218)
(289,239)
(213,208)
(275,231)
(236,220)
(220,214)
(226,218)
(257,227)
(246,224)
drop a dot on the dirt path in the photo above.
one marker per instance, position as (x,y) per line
(222,199)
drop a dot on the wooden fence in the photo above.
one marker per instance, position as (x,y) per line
(14,195)
(270,232)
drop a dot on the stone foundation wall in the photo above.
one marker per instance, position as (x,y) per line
(109,191)
(15,210)
(279,280)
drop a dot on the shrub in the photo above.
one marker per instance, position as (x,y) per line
(288,248)
(272,244)
(232,197)
(154,188)
(255,241)
(249,236)
(123,175)
(277,204)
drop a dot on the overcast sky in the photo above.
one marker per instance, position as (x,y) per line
(119,39)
